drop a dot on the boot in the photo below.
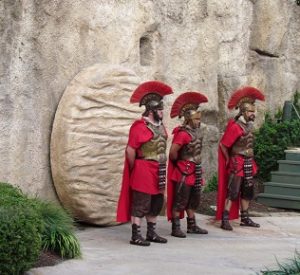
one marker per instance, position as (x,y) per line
(246,221)
(137,238)
(152,235)
(192,227)
(176,231)
(225,221)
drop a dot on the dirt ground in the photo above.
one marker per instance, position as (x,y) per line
(48,258)
(208,201)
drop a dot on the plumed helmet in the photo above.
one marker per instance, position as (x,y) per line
(244,97)
(187,103)
(150,94)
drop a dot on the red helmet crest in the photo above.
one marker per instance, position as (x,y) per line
(157,88)
(191,100)
(245,95)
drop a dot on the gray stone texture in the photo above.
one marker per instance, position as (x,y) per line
(211,46)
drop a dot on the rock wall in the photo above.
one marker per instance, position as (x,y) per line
(213,46)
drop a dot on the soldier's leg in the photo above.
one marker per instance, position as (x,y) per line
(140,206)
(180,202)
(157,202)
(247,194)
(232,195)
(193,204)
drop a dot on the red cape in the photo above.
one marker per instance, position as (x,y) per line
(222,190)
(124,204)
(171,185)
(222,185)
(139,134)
(170,193)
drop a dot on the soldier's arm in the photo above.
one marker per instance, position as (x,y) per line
(173,155)
(130,153)
(225,152)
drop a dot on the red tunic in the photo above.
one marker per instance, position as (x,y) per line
(174,175)
(143,177)
(232,133)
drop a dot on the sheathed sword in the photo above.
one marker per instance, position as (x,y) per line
(183,176)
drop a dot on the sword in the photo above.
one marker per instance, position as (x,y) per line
(183,177)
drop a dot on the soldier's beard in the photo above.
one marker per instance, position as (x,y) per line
(248,118)
(251,118)
(156,117)
(195,125)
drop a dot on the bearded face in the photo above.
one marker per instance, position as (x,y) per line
(158,114)
(248,112)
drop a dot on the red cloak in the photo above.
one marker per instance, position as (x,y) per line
(174,175)
(232,133)
(143,177)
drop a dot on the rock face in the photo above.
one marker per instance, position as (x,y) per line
(211,46)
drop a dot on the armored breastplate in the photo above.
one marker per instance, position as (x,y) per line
(244,145)
(155,149)
(192,151)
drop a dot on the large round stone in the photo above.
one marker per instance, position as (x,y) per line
(88,140)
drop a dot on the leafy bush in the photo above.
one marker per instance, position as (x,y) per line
(20,226)
(29,225)
(272,139)
(212,184)
(58,230)
(289,268)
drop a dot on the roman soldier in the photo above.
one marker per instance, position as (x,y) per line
(184,167)
(144,175)
(236,165)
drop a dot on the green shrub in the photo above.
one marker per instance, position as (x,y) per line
(58,230)
(29,225)
(273,137)
(290,267)
(20,227)
(212,184)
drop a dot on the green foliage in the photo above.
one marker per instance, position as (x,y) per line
(29,225)
(58,230)
(212,184)
(291,267)
(20,227)
(272,139)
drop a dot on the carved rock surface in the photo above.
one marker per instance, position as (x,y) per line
(88,140)
(212,46)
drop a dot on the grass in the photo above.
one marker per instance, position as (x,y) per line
(58,233)
(57,225)
(292,266)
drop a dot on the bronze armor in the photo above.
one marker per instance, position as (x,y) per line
(192,151)
(244,145)
(155,149)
